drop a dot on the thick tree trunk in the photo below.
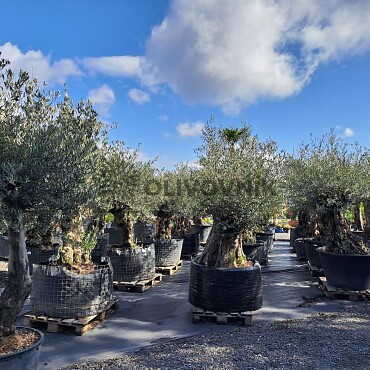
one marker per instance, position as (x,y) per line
(367,218)
(222,250)
(19,284)
(336,234)
(123,223)
(358,221)
(164,229)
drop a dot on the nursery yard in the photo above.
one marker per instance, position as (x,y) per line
(297,328)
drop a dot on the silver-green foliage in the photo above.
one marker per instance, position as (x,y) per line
(238,179)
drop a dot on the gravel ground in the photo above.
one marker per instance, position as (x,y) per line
(324,341)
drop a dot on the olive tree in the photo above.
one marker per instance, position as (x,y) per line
(47,147)
(323,177)
(238,185)
(123,187)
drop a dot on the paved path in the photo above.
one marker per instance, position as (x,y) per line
(163,313)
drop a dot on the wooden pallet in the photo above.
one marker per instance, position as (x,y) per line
(137,286)
(314,271)
(342,294)
(200,315)
(169,270)
(77,326)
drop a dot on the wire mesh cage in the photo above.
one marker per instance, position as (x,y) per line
(61,293)
(168,251)
(144,231)
(101,247)
(133,264)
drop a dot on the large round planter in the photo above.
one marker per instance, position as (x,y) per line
(37,255)
(202,230)
(300,249)
(350,272)
(25,359)
(225,289)
(294,234)
(4,247)
(133,264)
(257,252)
(102,246)
(310,247)
(144,231)
(190,245)
(58,292)
(268,237)
(167,251)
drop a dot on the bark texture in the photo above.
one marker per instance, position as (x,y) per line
(367,218)
(358,220)
(123,223)
(19,284)
(222,249)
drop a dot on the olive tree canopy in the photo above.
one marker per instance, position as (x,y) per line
(47,149)
(239,182)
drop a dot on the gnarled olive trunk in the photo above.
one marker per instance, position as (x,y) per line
(123,223)
(164,228)
(358,220)
(336,234)
(367,217)
(19,284)
(222,249)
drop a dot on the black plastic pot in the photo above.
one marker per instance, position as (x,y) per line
(115,236)
(294,234)
(4,247)
(25,359)
(310,247)
(167,252)
(37,255)
(202,230)
(257,251)
(101,247)
(350,272)
(144,231)
(58,292)
(225,289)
(300,249)
(190,245)
(268,237)
(133,264)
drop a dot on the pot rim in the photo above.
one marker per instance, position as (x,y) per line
(28,349)
(323,251)
(256,266)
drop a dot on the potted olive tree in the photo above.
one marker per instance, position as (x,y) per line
(46,148)
(330,175)
(122,184)
(240,183)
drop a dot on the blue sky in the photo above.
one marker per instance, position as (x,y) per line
(161,68)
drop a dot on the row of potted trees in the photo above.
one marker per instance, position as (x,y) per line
(324,179)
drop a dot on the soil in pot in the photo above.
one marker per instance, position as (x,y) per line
(168,252)
(225,289)
(346,271)
(133,264)
(21,350)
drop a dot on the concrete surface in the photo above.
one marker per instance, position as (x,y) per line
(163,313)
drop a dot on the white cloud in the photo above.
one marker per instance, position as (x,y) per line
(39,65)
(187,129)
(139,96)
(116,66)
(348,132)
(102,99)
(232,53)
(162,118)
